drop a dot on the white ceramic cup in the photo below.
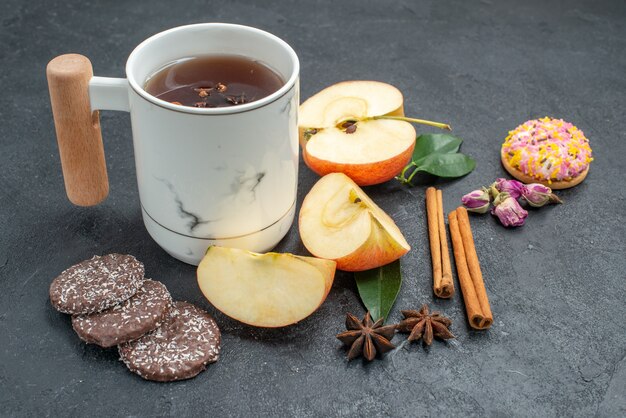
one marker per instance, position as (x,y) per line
(206,176)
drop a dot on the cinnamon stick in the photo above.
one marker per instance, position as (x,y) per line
(468,270)
(443,286)
(447,285)
(433,236)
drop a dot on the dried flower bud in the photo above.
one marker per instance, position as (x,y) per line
(477,201)
(512,187)
(508,210)
(538,195)
(493,191)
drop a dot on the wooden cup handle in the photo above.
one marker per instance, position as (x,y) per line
(78,130)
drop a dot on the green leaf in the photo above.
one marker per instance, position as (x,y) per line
(446,165)
(437,154)
(379,288)
(435,143)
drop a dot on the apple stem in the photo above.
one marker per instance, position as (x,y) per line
(413,120)
(351,122)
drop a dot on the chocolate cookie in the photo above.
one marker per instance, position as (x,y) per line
(179,349)
(97,284)
(127,321)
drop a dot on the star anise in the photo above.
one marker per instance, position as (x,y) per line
(366,337)
(421,324)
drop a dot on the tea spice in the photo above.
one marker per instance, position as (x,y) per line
(367,338)
(214,81)
(424,325)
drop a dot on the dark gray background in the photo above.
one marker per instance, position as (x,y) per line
(556,285)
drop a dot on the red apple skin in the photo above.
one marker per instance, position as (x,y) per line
(370,256)
(362,174)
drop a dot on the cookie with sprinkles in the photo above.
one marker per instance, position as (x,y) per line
(127,321)
(548,151)
(179,349)
(96,284)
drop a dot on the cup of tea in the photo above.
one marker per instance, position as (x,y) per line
(213,109)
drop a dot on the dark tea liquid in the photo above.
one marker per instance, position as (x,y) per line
(213,81)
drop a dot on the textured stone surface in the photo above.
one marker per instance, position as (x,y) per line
(558,344)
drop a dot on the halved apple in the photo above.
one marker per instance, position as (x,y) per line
(339,132)
(339,222)
(264,290)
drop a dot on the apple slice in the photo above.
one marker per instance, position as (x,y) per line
(358,128)
(339,222)
(264,290)
(368,150)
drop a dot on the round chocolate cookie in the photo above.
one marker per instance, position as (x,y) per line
(127,321)
(97,284)
(179,349)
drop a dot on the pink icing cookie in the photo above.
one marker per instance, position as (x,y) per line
(549,151)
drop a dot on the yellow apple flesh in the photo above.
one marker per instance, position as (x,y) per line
(264,290)
(375,151)
(339,222)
